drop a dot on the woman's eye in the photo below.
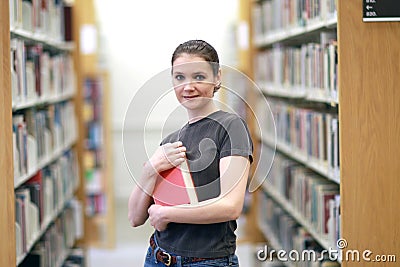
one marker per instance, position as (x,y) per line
(179,77)
(200,77)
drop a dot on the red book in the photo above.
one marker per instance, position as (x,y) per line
(175,187)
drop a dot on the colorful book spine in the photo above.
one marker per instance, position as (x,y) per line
(309,70)
(40,199)
(286,234)
(56,246)
(312,196)
(280,15)
(39,74)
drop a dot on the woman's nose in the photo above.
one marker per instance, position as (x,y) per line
(188,86)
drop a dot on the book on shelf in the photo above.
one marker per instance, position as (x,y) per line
(35,187)
(94,138)
(20,223)
(175,187)
(94,183)
(308,194)
(333,144)
(272,16)
(68,20)
(77,208)
(20,145)
(19,246)
(75,259)
(334,219)
(42,197)
(93,95)
(323,195)
(96,203)
(44,17)
(318,189)
(288,234)
(39,133)
(38,73)
(27,216)
(310,134)
(308,70)
(35,258)
(53,247)
(16,87)
(37,125)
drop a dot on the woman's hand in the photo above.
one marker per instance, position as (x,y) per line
(157,217)
(167,156)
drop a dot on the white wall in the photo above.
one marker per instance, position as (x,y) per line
(137,40)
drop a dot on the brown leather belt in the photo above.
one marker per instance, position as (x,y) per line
(168,259)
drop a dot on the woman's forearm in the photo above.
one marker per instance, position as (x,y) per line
(140,198)
(137,207)
(210,211)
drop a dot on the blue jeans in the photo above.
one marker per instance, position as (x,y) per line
(151,261)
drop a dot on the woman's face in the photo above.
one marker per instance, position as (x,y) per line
(193,81)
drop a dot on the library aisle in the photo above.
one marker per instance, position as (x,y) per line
(71,68)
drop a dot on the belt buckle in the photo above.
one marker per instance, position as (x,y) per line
(169,260)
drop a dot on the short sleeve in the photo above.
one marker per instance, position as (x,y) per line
(236,140)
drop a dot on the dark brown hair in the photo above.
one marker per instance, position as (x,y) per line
(198,48)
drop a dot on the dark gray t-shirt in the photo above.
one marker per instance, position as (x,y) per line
(218,135)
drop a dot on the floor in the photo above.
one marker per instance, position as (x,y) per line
(132,243)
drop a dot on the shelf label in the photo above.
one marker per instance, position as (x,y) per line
(381,10)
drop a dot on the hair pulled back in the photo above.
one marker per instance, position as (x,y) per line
(198,48)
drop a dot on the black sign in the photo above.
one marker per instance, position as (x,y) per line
(381,10)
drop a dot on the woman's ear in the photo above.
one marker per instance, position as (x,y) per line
(217,86)
(218,81)
(218,77)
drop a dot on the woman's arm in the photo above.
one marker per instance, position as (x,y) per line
(165,157)
(140,198)
(228,206)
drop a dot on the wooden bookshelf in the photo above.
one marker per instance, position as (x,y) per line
(7,213)
(289,72)
(368,113)
(101,221)
(56,150)
(100,227)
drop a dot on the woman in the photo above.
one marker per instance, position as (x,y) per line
(218,148)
